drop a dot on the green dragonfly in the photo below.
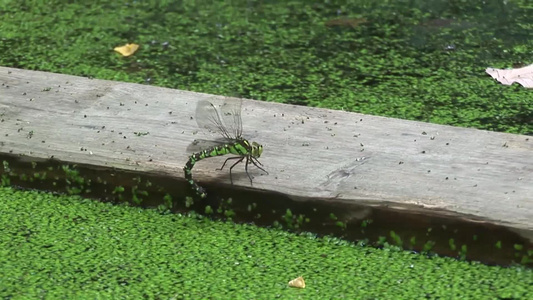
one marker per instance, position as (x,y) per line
(225,120)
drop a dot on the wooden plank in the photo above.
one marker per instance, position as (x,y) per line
(309,152)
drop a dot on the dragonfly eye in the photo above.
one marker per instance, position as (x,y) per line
(257,149)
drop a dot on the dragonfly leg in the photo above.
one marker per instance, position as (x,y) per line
(238,161)
(246,169)
(256,162)
(236,157)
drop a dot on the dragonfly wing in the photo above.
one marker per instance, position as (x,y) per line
(201,144)
(209,118)
(231,111)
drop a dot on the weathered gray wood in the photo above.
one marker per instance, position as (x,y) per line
(309,152)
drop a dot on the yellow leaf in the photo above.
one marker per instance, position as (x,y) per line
(127,49)
(297,282)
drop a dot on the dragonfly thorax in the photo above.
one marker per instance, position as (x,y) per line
(244,148)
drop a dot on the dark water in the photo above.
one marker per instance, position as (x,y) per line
(421,230)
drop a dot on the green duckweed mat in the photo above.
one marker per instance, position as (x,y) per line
(58,247)
(419,60)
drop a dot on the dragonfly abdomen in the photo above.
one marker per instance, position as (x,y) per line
(240,148)
(237,149)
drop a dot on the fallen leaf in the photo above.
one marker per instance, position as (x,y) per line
(523,76)
(297,283)
(127,49)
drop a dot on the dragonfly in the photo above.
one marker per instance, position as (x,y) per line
(225,120)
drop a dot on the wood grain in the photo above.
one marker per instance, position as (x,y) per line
(309,152)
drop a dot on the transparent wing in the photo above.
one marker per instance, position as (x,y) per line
(224,119)
(231,111)
(209,118)
(201,144)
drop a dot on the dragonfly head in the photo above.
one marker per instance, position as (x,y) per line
(257,150)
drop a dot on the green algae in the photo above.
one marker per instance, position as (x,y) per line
(418,60)
(70,247)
